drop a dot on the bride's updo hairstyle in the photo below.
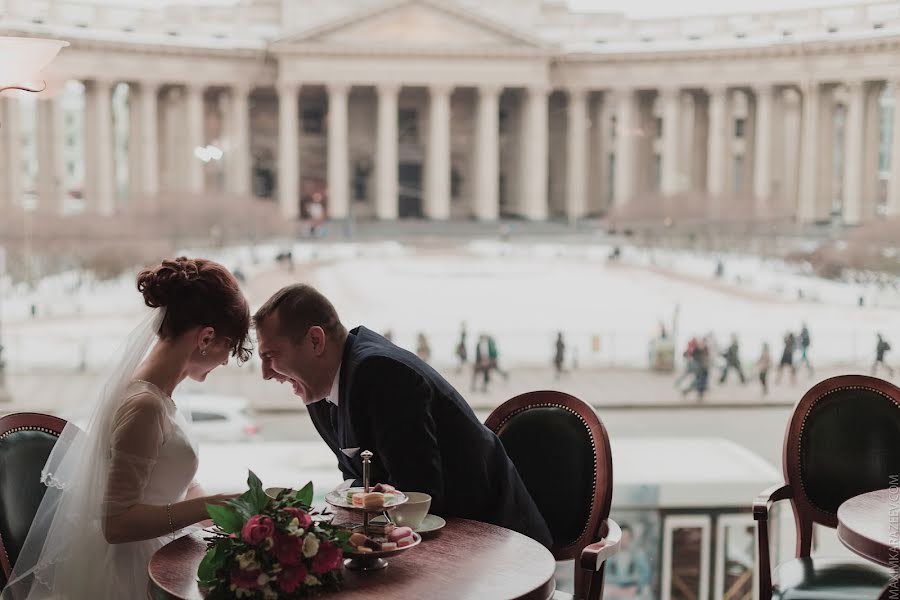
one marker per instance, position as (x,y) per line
(197,292)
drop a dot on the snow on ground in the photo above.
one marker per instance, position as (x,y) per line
(520,293)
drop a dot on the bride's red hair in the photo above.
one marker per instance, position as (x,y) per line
(198,292)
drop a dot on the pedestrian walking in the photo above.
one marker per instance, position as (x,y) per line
(763,364)
(560,356)
(787,358)
(732,360)
(804,340)
(462,354)
(881,348)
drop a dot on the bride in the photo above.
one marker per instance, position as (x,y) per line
(123,487)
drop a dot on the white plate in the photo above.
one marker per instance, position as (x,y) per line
(339,498)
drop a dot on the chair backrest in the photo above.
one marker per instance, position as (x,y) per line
(26,440)
(561,450)
(843,440)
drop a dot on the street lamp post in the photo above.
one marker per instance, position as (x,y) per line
(21,61)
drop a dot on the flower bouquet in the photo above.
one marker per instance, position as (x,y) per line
(268,548)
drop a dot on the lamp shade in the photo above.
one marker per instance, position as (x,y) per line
(21,59)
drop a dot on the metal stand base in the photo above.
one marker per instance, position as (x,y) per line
(363,563)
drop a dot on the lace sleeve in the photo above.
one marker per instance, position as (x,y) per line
(138,431)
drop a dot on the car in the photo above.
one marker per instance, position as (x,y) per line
(218,418)
(215,417)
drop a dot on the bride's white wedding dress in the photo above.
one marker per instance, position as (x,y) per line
(136,449)
(148,419)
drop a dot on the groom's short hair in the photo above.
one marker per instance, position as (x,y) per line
(300,307)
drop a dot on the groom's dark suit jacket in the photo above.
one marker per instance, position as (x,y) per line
(424,436)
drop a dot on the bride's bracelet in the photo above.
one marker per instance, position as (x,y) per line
(171,524)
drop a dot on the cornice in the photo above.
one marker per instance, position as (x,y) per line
(777,50)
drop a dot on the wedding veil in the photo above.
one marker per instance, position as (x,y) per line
(66,554)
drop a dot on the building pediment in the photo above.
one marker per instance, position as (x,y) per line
(425,24)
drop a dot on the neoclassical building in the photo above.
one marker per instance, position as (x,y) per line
(458,109)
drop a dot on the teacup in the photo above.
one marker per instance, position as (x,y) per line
(412,512)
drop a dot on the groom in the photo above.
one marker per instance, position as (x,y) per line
(365,393)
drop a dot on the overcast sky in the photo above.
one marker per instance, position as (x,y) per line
(667,8)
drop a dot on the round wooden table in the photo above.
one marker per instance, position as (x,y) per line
(464,560)
(864,525)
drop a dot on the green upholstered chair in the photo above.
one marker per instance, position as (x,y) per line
(26,440)
(561,450)
(843,440)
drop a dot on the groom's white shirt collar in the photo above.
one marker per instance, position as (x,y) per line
(334,396)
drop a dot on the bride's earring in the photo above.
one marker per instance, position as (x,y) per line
(203,353)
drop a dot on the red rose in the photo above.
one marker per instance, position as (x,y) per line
(257,528)
(287,549)
(291,577)
(246,579)
(327,559)
(301,515)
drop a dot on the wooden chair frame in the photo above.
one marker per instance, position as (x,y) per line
(16,422)
(806,513)
(600,537)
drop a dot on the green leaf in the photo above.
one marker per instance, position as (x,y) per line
(304,496)
(253,481)
(242,507)
(225,517)
(210,565)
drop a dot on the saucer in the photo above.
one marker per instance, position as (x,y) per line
(429,523)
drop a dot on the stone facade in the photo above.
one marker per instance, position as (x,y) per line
(464,109)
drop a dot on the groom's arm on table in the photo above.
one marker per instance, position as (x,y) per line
(397,402)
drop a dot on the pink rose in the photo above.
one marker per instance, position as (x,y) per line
(257,528)
(301,515)
(246,579)
(291,577)
(287,549)
(328,558)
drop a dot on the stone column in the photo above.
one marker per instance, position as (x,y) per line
(487,155)
(51,165)
(624,179)
(763,146)
(149,138)
(854,153)
(288,151)
(871,178)
(437,168)
(338,153)
(699,137)
(237,156)
(577,155)
(535,170)
(196,138)
(386,158)
(719,146)
(134,150)
(810,206)
(598,172)
(99,155)
(893,198)
(671,134)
